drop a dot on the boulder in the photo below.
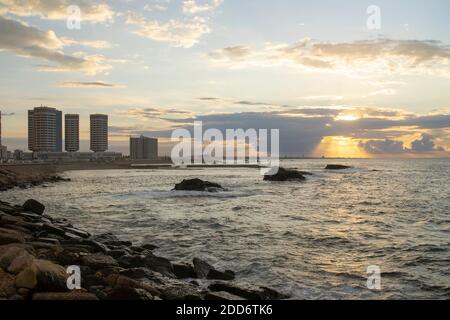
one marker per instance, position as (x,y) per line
(226,275)
(285,175)
(201,268)
(204,270)
(98,261)
(184,271)
(34,206)
(42,275)
(159,264)
(197,185)
(336,167)
(75,295)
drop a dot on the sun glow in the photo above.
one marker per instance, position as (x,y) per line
(340,147)
(346,117)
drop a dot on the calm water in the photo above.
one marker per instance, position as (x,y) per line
(313,240)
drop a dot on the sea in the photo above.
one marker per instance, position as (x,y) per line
(317,239)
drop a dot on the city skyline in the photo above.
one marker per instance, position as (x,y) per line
(316,71)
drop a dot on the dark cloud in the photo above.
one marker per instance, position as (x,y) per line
(423,145)
(382,146)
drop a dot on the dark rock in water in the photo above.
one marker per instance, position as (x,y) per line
(285,175)
(197,185)
(336,167)
(206,271)
(34,206)
(247,291)
(214,274)
(201,268)
(161,265)
(184,271)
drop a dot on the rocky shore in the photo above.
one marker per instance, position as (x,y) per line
(36,251)
(27,176)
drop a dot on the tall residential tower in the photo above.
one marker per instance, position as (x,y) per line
(99,132)
(45,130)
(72,132)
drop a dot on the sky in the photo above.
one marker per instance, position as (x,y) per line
(348,78)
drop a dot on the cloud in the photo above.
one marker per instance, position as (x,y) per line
(208,98)
(88,84)
(184,34)
(30,42)
(152,113)
(380,56)
(159,5)
(96,44)
(7,114)
(424,144)
(195,7)
(91,11)
(383,146)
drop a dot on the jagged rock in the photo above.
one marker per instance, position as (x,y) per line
(75,295)
(34,206)
(247,291)
(42,275)
(201,268)
(214,274)
(205,270)
(159,264)
(98,261)
(184,271)
(197,185)
(285,175)
(336,167)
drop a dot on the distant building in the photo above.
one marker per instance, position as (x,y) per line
(72,132)
(143,148)
(45,130)
(99,132)
(18,155)
(3,153)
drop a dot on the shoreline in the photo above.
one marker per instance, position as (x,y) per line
(36,251)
